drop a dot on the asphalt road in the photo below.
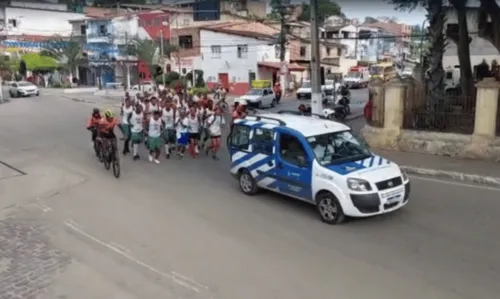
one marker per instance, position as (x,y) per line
(182,229)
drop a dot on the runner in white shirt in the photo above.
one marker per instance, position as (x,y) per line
(126,111)
(169,115)
(215,123)
(194,125)
(155,127)
(182,124)
(154,105)
(136,121)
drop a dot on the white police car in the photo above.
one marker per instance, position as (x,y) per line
(315,160)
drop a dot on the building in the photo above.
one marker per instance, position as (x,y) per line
(480,49)
(401,32)
(230,54)
(26,25)
(362,43)
(332,53)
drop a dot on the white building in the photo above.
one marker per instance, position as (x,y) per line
(19,18)
(479,48)
(235,59)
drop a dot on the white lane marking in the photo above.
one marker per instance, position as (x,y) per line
(119,247)
(174,276)
(455,183)
(43,207)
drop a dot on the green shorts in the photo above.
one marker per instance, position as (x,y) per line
(125,128)
(169,136)
(136,137)
(154,143)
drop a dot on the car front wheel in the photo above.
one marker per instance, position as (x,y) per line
(329,208)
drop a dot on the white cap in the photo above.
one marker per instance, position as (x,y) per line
(242,102)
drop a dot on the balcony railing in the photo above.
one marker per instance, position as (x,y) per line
(99,37)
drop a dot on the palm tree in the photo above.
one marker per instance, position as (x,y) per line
(148,52)
(68,53)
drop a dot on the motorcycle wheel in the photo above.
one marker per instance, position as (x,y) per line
(340,115)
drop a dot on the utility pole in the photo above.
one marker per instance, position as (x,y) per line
(356,43)
(127,62)
(283,33)
(162,61)
(316,103)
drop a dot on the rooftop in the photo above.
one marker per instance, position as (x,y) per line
(308,126)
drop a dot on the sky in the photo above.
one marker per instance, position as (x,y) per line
(377,8)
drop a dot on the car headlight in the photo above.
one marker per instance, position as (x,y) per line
(404,175)
(358,185)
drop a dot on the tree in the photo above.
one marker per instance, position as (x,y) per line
(107,3)
(147,51)
(370,20)
(326,8)
(435,72)
(462,40)
(489,22)
(68,54)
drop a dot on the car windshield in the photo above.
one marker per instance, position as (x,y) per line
(306,84)
(353,75)
(254,92)
(338,147)
(376,70)
(24,84)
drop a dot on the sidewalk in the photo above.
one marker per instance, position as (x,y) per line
(467,171)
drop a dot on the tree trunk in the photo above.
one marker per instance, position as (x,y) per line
(490,31)
(435,73)
(466,76)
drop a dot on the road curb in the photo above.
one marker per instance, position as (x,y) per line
(453,175)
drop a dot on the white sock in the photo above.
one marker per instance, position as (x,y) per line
(135,147)
(167,148)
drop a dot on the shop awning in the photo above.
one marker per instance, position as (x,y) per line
(277,66)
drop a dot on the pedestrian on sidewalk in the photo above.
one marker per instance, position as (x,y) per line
(277,92)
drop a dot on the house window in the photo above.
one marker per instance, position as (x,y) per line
(13,22)
(186,41)
(216,51)
(328,51)
(345,34)
(242,51)
(148,22)
(103,30)
(339,52)
(302,51)
(157,21)
(83,29)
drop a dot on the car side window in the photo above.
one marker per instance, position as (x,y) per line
(14,85)
(291,149)
(262,141)
(265,92)
(240,137)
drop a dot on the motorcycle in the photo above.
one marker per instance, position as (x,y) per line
(344,99)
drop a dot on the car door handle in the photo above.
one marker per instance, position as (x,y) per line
(270,163)
(280,165)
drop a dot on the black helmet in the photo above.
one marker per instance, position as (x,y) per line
(95,111)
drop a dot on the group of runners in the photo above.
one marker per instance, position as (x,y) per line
(166,120)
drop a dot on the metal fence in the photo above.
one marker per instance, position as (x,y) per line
(452,112)
(374,112)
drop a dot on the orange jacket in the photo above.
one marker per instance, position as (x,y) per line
(106,125)
(93,121)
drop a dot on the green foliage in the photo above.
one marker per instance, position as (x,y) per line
(169,78)
(370,20)
(9,64)
(67,53)
(145,50)
(198,90)
(37,62)
(326,8)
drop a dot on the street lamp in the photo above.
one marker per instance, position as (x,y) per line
(422,42)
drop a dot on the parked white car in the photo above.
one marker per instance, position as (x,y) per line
(259,98)
(23,89)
